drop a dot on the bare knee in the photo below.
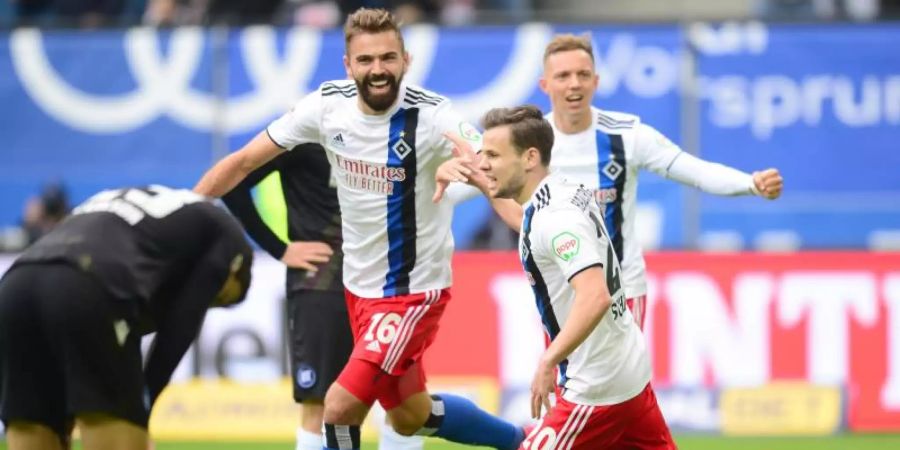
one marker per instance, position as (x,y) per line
(407,428)
(342,407)
(406,422)
(31,435)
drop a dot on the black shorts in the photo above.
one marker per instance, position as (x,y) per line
(319,340)
(64,351)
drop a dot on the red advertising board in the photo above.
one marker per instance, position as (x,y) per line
(742,319)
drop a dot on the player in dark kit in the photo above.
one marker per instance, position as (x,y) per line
(320,339)
(74,306)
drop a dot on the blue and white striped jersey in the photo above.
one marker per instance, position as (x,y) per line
(607,157)
(396,241)
(563,234)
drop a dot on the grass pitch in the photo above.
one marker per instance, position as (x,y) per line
(685,442)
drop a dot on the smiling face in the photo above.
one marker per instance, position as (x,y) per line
(570,81)
(377,63)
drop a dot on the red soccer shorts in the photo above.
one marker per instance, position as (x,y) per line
(635,424)
(391,335)
(638,309)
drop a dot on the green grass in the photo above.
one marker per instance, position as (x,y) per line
(840,442)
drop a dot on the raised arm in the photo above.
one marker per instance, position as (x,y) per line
(658,154)
(234,168)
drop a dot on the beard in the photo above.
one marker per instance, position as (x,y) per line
(379,102)
(512,189)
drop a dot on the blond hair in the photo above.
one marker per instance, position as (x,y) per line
(568,42)
(371,21)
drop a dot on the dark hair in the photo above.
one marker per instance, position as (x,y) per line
(527,128)
(568,42)
(371,21)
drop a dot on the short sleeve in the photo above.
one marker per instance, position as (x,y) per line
(447,120)
(572,240)
(654,151)
(300,125)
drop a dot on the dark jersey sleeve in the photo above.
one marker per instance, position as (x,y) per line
(240,202)
(180,314)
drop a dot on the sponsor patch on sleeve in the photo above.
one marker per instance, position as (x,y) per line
(467,131)
(566,245)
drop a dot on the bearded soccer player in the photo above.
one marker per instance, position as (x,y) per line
(74,306)
(384,140)
(605,399)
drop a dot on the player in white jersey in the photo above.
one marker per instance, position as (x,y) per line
(605,396)
(384,140)
(605,150)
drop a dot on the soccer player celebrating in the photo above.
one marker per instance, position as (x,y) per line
(74,306)
(384,141)
(604,150)
(605,398)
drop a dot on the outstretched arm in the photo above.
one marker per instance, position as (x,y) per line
(723,180)
(232,169)
(658,154)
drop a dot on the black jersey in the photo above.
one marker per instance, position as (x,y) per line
(167,253)
(139,241)
(313,213)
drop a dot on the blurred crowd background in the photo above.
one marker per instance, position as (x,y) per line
(328,13)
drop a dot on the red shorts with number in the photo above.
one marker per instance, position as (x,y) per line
(637,305)
(391,335)
(634,424)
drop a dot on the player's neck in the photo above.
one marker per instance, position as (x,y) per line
(572,123)
(532,181)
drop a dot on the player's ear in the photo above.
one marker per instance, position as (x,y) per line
(543,84)
(532,157)
(347,66)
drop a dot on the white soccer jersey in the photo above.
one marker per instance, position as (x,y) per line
(563,234)
(396,241)
(606,158)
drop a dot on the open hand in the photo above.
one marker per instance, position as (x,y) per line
(306,254)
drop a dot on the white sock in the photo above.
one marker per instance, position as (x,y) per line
(391,440)
(308,441)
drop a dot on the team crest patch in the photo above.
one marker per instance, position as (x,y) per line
(566,245)
(468,132)
(401,148)
(306,376)
(612,169)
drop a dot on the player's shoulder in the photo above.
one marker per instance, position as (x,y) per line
(338,89)
(559,197)
(417,96)
(615,122)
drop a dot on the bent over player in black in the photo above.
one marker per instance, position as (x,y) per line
(320,339)
(74,306)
